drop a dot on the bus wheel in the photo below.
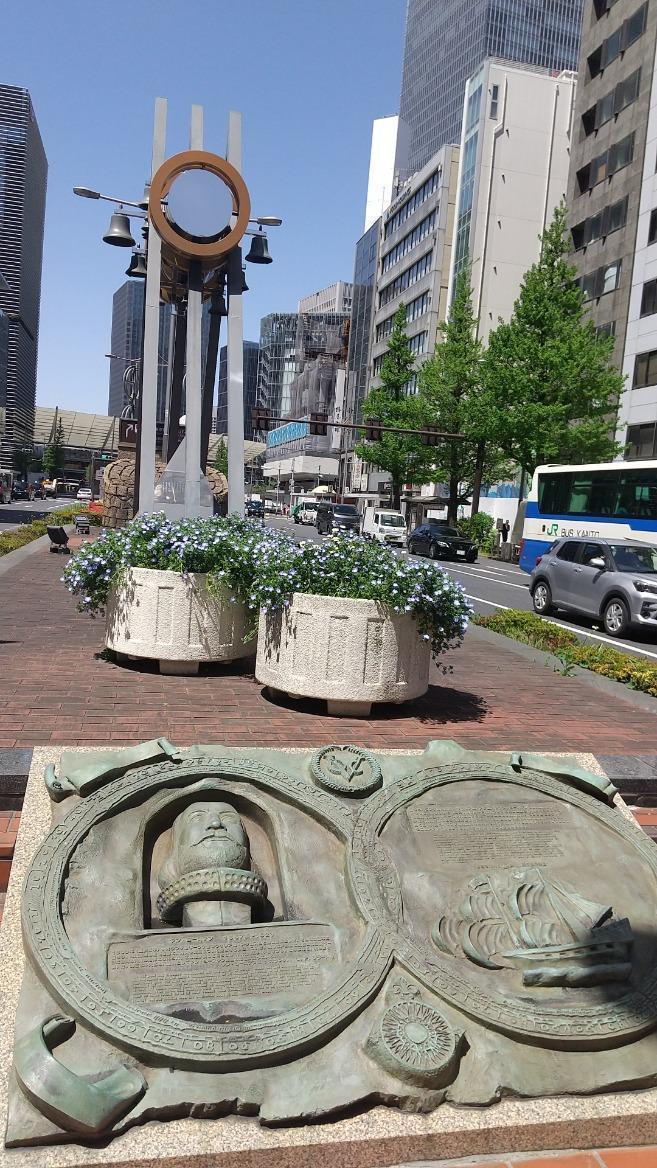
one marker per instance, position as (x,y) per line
(542,598)
(615,617)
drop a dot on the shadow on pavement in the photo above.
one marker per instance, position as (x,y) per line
(439,706)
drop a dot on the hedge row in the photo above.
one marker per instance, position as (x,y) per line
(635,672)
(11,540)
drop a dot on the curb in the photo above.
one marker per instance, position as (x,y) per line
(10,559)
(613,689)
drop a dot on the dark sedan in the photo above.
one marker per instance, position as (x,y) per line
(337,517)
(441,542)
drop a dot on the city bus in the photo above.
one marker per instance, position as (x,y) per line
(610,500)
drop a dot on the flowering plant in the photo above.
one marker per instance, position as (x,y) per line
(264,567)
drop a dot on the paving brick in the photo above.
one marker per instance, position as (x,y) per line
(629,1157)
(559,1160)
(58,689)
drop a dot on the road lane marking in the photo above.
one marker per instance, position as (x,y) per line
(569,628)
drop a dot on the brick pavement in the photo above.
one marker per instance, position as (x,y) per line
(605,1158)
(55,687)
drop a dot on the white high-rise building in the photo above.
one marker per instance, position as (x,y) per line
(388,162)
(335,298)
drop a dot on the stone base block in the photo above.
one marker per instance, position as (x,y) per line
(349,709)
(179,668)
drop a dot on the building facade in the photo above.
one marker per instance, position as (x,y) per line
(23,180)
(336,298)
(388,166)
(414,260)
(362,315)
(513,171)
(611,199)
(277,361)
(446,42)
(251,350)
(126,345)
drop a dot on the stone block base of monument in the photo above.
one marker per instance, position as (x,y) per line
(267,958)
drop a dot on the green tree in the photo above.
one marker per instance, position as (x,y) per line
(53,455)
(403,455)
(221,457)
(551,391)
(450,384)
(23,458)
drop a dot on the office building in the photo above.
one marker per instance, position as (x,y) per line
(4,365)
(414,260)
(335,298)
(513,172)
(126,344)
(277,361)
(360,328)
(23,179)
(613,201)
(446,42)
(251,351)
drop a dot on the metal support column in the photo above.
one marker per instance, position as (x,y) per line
(209,379)
(170,444)
(235,344)
(193,394)
(148,412)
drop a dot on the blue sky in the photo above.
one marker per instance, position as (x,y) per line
(309,77)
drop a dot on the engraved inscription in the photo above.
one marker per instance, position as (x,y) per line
(502,834)
(253,961)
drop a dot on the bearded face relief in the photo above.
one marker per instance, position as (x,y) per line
(207,879)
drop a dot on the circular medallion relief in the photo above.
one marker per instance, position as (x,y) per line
(346,769)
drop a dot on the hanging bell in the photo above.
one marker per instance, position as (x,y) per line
(259,250)
(245,286)
(137,265)
(118,231)
(218,304)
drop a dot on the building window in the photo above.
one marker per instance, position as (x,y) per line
(652,228)
(649,298)
(641,441)
(409,241)
(620,154)
(619,41)
(612,103)
(494,100)
(420,196)
(606,330)
(645,369)
(601,7)
(601,281)
(418,343)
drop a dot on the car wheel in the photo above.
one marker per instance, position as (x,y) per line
(471,557)
(542,598)
(433,552)
(410,548)
(615,617)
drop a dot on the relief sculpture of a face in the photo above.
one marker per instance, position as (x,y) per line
(206,835)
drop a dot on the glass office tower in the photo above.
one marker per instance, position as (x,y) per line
(445,43)
(23,178)
(126,344)
(251,350)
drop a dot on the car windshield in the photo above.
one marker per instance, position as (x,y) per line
(392,520)
(347,511)
(440,530)
(635,559)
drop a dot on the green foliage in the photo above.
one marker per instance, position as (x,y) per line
(23,459)
(479,528)
(550,389)
(450,383)
(634,672)
(264,567)
(403,455)
(221,457)
(53,455)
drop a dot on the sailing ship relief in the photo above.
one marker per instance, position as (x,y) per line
(532,923)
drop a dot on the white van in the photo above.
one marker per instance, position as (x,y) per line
(386,526)
(305,511)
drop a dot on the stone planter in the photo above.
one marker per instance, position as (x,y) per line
(175,620)
(350,652)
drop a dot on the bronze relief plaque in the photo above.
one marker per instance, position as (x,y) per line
(219,932)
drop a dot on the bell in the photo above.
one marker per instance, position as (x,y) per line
(245,286)
(118,231)
(137,265)
(218,304)
(259,250)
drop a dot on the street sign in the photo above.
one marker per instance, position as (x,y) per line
(99,474)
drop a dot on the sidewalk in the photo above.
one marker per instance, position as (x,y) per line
(56,687)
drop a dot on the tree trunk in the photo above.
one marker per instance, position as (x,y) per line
(396,494)
(453,502)
(478,476)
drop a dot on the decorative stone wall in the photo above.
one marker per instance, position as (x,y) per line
(119,486)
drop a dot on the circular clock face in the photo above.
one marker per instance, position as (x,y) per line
(200,205)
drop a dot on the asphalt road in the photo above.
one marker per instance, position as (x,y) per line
(23,511)
(493,587)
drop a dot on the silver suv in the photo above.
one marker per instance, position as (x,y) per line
(614,582)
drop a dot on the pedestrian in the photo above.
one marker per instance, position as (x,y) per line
(505,530)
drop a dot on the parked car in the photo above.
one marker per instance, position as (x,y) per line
(255,509)
(386,526)
(21,490)
(84,495)
(613,582)
(337,517)
(441,542)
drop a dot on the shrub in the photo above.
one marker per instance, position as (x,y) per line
(634,672)
(265,567)
(479,528)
